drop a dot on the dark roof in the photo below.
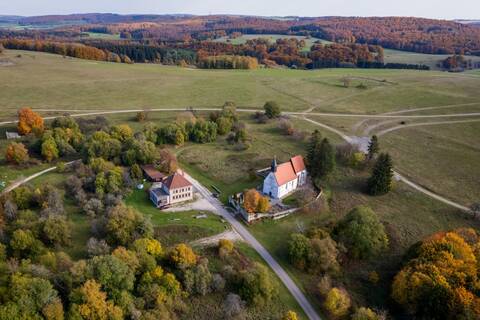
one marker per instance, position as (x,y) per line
(176,181)
(159,192)
(152,173)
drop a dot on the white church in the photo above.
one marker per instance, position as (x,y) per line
(285,178)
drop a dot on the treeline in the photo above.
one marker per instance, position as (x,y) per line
(147,53)
(458,63)
(75,50)
(228,62)
(408,34)
(338,55)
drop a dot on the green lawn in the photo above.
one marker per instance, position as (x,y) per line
(175,227)
(101,36)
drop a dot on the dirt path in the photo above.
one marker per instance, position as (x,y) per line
(383,132)
(231,235)
(398,176)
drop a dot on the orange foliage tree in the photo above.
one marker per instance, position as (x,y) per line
(441,281)
(29,121)
(16,153)
(250,200)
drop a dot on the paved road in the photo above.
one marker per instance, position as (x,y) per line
(248,237)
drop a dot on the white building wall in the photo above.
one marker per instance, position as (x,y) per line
(270,186)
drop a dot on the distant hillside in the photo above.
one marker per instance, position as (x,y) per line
(99,18)
(401,33)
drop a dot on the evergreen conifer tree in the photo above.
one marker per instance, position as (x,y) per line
(380,182)
(325,159)
(373,147)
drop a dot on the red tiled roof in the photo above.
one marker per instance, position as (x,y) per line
(298,164)
(176,181)
(285,173)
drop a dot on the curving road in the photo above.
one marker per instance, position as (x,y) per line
(248,237)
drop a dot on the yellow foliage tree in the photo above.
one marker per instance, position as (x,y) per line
(29,121)
(337,302)
(440,281)
(151,246)
(290,315)
(94,304)
(263,204)
(183,256)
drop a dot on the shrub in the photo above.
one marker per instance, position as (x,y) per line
(337,302)
(362,233)
(272,109)
(225,246)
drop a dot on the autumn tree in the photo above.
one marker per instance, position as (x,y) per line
(182,256)
(365,314)
(49,149)
(166,161)
(125,224)
(251,198)
(263,204)
(16,153)
(29,121)
(290,315)
(380,182)
(362,233)
(89,302)
(439,280)
(337,302)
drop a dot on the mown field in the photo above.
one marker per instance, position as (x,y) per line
(431,60)
(48,81)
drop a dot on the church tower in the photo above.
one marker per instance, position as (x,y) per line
(273,167)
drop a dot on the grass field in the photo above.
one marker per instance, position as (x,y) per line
(101,36)
(309,41)
(431,60)
(444,159)
(51,82)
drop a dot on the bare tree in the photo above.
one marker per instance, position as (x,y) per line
(233,306)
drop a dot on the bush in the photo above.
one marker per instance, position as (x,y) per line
(225,247)
(272,109)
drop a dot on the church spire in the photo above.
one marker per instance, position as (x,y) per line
(274,164)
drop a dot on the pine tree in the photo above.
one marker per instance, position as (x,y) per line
(373,147)
(312,151)
(380,182)
(325,159)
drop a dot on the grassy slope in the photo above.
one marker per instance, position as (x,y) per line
(443,158)
(49,81)
(431,60)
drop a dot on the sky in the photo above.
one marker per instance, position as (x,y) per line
(442,9)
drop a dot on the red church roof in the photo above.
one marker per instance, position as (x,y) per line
(288,171)
(298,164)
(176,181)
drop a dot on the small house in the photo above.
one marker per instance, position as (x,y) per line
(172,190)
(285,178)
(152,174)
(12,135)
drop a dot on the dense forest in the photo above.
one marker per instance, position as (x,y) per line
(189,40)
